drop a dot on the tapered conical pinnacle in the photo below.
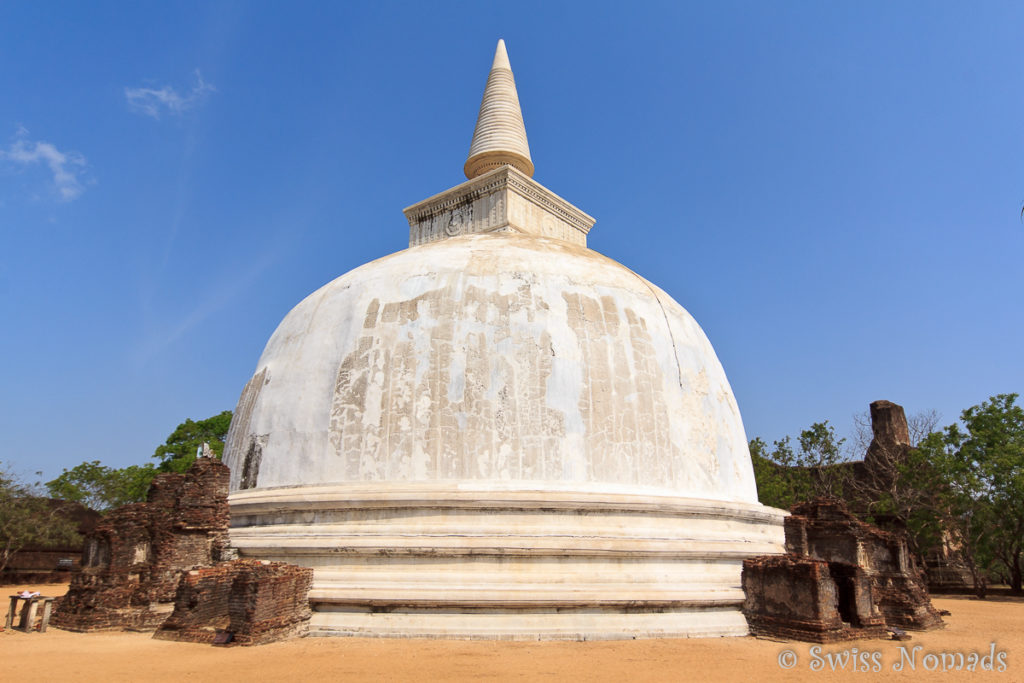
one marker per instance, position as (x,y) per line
(500,135)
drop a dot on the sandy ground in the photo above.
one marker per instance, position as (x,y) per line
(974,626)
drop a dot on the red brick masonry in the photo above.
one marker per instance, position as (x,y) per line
(842,579)
(135,556)
(146,560)
(255,602)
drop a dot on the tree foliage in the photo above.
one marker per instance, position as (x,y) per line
(27,519)
(179,451)
(981,463)
(900,490)
(962,486)
(786,475)
(103,488)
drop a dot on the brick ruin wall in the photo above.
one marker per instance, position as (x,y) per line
(135,556)
(253,602)
(161,565)
(827,530)
(842,579)
(800,598)
(890,446)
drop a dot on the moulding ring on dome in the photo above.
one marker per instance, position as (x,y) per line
(398,495)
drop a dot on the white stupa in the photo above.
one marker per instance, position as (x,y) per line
(498,432)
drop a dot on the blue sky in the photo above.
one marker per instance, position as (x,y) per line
(833,190)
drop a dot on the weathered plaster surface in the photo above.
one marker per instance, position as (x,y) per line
(493,357)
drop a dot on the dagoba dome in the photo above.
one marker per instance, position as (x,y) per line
(496,357)
(498,432)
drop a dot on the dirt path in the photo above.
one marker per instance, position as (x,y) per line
(109,657)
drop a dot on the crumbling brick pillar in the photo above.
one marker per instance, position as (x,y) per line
(891,437)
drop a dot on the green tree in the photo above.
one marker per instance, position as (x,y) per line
(27,519)
(179,451)
(103,488)
(786,476)
(903,490)
(982,501)
(774,484)
(899,490)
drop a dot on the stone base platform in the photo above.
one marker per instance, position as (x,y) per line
(537,624)
(496,562)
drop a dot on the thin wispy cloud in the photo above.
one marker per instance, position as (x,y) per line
(220,292)
(66,167)
(167,100)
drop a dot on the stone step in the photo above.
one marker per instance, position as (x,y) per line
(553,624)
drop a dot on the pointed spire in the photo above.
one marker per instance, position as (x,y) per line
(500,135)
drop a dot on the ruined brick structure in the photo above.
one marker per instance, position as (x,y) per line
(890,435)
(135,556)
(800,598)
(842,579)
(887,453)
(252,601)
(827,530)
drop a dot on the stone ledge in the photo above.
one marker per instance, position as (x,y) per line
(481,497)
(563,623)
